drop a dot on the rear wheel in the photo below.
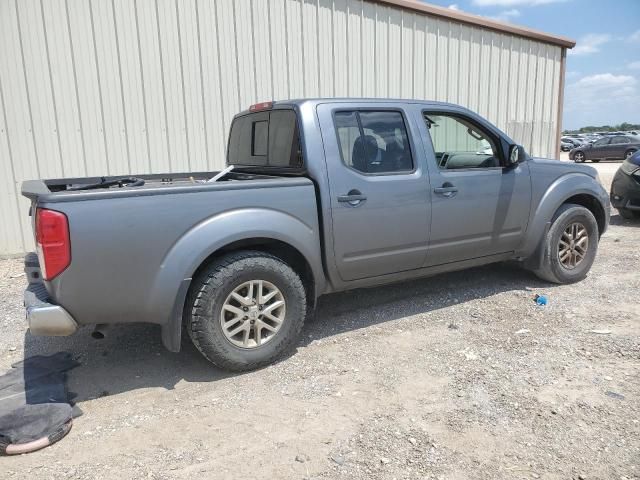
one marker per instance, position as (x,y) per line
(629,153)
(570,245)
(579,157)
(245,310)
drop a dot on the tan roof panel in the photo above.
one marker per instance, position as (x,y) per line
(483,22)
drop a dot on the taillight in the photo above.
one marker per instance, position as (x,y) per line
(52,238)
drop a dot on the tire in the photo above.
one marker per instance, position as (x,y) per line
(628,214)
(212,290)
(629,153)
(579,157)
(552,270)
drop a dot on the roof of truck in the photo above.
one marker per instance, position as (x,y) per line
(318,100)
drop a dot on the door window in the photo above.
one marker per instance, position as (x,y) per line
(619,140)
(460,144)
(602,142)
(373,142)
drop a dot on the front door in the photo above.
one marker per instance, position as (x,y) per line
(380,202)
(479,206)
(601,148)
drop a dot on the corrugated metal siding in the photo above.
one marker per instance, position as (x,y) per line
(90,87)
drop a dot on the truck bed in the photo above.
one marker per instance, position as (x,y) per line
(72,189)
(132,247)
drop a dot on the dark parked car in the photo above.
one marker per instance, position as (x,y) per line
(611,147)
(565,146)
(625,189)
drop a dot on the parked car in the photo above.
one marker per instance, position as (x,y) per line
(612,147)
(319,196)
(565,146)
(625,188)
(574,142)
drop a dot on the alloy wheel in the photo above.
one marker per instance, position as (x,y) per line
(573,245)
(252,314)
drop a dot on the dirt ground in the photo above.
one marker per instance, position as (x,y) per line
(460,376)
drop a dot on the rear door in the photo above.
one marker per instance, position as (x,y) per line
(480,207)
(619,145)
(380,202)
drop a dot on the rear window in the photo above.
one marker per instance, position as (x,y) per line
(268,139)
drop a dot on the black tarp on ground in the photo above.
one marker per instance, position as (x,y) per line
(35,406)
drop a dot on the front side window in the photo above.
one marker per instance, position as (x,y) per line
(460,143)
(602,142)
(373,142)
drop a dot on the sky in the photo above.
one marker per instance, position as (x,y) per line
(602,85)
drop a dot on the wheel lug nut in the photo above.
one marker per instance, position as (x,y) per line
(245,309)
(244,318)
(252,322)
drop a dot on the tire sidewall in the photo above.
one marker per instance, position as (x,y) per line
(573,213)
(211,340)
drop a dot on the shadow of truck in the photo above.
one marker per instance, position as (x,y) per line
(132,356)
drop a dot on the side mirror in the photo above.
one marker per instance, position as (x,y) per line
(516,154)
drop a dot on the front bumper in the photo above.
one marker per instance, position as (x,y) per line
(625,192)
(44,317)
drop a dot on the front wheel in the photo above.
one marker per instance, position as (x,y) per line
(570,245)
(579,157)
(628,214)
(245,310)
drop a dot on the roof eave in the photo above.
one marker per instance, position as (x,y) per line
(482,22)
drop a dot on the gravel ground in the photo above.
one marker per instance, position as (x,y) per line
(454,377)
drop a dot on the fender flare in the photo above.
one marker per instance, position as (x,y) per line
(561,190)
(171,284)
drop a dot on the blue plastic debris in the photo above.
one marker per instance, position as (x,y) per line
(541,300)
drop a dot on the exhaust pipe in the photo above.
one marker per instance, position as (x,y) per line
(99,332)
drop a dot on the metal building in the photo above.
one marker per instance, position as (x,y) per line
(97,87)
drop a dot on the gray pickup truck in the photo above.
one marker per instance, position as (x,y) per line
(324,195)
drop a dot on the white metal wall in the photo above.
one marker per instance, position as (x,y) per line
(96,87)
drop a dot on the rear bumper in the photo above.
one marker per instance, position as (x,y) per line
(43,317)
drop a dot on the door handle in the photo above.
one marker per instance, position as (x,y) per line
(353,198)
(446,190)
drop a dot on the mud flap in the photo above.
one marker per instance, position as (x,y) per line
(172,331)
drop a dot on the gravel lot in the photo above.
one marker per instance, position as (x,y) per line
(454,377)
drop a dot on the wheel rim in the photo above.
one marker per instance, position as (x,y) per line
(629,154)
(252,314)
(573,245)
(580,157)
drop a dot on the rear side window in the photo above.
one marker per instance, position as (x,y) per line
(620,140)
(373,142)
(267,139)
